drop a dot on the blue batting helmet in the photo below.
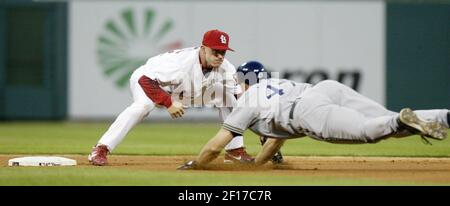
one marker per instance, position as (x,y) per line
(251,72)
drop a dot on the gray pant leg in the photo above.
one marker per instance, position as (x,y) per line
(325,120)
(348,124)
(345,96)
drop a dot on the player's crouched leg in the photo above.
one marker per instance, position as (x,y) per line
(126,120)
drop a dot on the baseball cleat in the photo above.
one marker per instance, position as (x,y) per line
(98,155)
(414,124)
(238,155)
(277,158)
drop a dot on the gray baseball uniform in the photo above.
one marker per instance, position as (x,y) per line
(266,109)
(328,111)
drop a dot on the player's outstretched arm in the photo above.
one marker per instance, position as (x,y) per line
(270,147)
(210,151)
(214,146)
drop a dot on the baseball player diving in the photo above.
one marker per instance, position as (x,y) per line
(329,111)
(188,77)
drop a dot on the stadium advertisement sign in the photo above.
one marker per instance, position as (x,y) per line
(305,41)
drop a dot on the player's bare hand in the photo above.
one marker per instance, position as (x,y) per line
(176,110)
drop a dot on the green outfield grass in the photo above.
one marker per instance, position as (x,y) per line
(186,139)
(32,138)
(97,176)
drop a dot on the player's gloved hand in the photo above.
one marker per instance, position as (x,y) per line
(176,110)
(277,158)
(189,165)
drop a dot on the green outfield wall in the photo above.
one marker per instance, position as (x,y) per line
(33,60)
(418,55)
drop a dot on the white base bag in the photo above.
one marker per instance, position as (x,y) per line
(42,161)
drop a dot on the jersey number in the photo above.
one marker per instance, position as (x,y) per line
(275,91)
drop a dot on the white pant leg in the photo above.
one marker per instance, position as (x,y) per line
(345,96)
(439,115)
(129,118)
(324,120)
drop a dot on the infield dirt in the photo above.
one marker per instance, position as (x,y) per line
(382,168)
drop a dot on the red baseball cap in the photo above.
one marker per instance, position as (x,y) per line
(216,39)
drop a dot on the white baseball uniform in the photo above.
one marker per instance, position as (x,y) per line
(328,111)
(180,74)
